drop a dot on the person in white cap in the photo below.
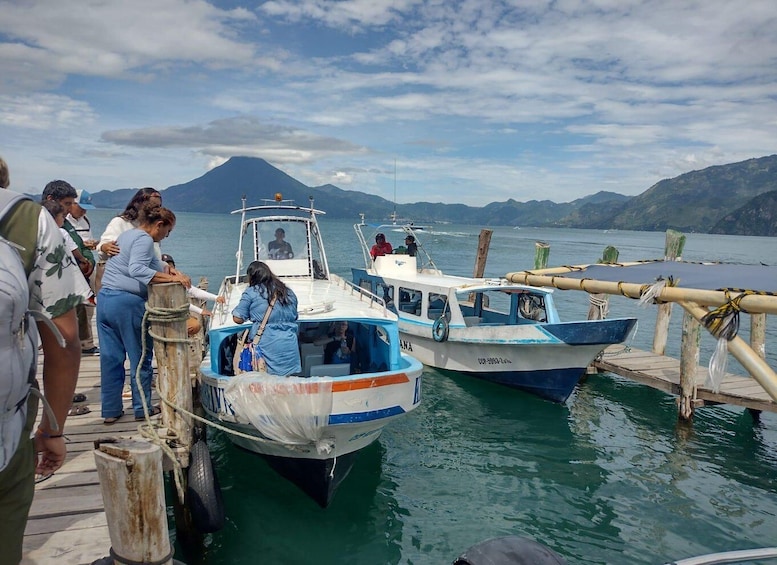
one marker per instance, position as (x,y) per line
(77,218)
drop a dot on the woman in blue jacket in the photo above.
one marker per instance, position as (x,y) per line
(278,343)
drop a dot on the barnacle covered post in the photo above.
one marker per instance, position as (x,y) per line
(673,251)
(689,361)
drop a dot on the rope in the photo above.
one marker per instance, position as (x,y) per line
(151,431)
(723,321)
(600,302)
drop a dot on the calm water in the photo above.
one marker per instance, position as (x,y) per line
(608,477)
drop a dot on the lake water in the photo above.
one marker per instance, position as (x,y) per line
(609,477)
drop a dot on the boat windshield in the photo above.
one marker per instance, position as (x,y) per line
(289,246)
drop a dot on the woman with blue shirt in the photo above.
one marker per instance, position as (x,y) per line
(121,304)
(279,340)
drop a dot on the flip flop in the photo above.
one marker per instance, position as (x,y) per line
(113,419)
(78,397)
(154,411)
(78,410)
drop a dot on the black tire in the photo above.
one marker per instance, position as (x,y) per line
(203,494)
(440,329)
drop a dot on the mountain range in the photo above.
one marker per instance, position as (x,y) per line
(738,198)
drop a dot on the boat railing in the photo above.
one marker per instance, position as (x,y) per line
(373,300)
(424,259)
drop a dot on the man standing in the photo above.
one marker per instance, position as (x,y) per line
(56,286)
(65,194)
(82,225)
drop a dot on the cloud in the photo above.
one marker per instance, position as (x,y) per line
(246,136)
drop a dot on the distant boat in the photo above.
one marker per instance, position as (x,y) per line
(310,426)
(491,329)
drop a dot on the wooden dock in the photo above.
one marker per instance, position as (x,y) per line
(67,521)
(663,373)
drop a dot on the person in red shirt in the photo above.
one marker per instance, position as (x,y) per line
(381,247)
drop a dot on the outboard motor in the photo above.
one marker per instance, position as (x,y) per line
(509,550)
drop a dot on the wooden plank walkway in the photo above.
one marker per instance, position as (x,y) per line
(67,521)
(663,373)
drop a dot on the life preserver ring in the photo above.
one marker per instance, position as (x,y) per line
(440,329)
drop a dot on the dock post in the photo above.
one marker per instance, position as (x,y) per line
(758,345)
(600,301)
(689,361)
(541,254)
(484,242)
(673,251)
(130,473)
(168,307)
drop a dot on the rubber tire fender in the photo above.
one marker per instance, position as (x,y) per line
(440,329)
(203,493)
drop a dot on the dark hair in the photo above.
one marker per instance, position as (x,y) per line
(410,237)
(260,275)
(133,207)
(59,189)
(5,177)
(380,236)
(151,213)
(54,207)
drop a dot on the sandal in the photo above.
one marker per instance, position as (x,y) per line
(153,411)
(113,419)
(78,397)
(78,410)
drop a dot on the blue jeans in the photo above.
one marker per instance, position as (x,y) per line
(119,320)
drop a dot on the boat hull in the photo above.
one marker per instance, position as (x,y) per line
(317,461)
(546,360)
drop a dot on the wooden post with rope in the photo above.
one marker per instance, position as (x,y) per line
(758,345)
(689,360)
(130,473)
(600,301)
(673,251)
(168,311)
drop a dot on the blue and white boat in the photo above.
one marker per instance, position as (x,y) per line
(309,426)
(491,329)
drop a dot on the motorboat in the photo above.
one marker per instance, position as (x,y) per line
(308,426)
(487,328)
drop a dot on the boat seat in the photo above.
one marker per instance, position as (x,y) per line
(309,361)
(331,370)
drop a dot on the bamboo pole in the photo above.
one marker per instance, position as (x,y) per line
(751,303)
(130,474)
(673,251)
(480,260)
(541,254)
(689,361)
(742,352)
(172,354)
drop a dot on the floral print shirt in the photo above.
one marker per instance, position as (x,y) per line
(56,283)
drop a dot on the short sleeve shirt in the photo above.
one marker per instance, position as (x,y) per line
(56,282)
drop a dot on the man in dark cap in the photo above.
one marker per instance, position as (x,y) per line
(410,244)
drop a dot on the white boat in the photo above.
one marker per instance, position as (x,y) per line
(310,426)
(507,333)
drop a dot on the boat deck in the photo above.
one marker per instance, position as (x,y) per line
(663,373)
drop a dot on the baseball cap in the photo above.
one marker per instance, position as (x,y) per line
(84,199)
(168,258)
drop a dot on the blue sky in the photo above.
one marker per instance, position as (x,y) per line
(476,101)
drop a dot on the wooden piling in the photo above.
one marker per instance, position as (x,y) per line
(541,254)
(168,305)
(484,242)
(131,482)
(673,251)
(600,301)
(689,361)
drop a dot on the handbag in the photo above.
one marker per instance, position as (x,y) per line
(248,355)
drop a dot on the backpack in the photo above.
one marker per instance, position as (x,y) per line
(18,331)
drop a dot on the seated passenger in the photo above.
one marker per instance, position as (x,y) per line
(342,346)
(279,248)
(412,246)
(381,247)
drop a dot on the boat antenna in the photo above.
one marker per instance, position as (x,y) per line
(239,253)
(394,214)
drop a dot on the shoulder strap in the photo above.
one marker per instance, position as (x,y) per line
(19,224)
(266,317)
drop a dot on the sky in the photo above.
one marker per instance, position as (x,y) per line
(455,101)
